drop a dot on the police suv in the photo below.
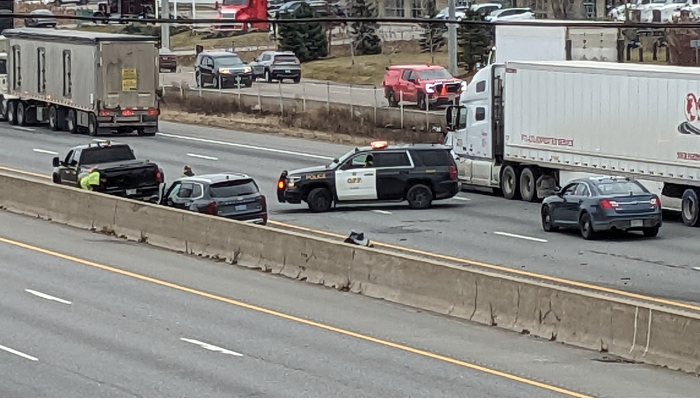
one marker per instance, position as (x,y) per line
(417,173)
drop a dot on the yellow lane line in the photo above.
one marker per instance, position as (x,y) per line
(535,275)
(295,319)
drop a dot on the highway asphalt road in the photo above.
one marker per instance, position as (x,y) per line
(473,226)
(87,315)
(310,89)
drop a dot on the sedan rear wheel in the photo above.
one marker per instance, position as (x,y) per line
(650,232)
(586,226)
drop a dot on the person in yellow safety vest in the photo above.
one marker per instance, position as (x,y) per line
(91,179)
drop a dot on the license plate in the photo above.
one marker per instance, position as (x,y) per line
(241,208)
(637,223)
(288,71)
(130,192)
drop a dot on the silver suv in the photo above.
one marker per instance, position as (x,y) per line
(277,65)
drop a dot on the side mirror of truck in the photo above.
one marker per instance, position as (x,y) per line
(56,162)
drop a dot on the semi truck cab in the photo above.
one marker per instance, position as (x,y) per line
(475,128)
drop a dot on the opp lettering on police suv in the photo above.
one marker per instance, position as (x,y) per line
(380,173)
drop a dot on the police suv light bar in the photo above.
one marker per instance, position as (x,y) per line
(379,144)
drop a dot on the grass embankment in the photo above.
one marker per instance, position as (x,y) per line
(367,70)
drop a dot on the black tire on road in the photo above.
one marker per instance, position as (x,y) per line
(21,114)
(319,200)
(650,232)
(528,184)
(547,222)
(56,178)
(268,76)
(53,119)
(690,208)
(419,196)
(509,182)
(297,79)
(586,226)
(12,112)
(72,122)
(92,125)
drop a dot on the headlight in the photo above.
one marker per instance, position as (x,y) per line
(246,70)
(463,86)
(292,180)
(224,70)
(430,88)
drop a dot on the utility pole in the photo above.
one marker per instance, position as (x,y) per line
(165,28)
(452,40)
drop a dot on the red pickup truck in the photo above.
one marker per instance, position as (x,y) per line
(426,85)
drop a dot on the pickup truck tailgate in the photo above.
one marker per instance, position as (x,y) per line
(131,177)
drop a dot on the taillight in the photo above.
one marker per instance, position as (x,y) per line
(128,112)
(159,176)
(104,113)
(280,184)
(211,208)
(606,204)
(152,112)
(655,201)
(453,173)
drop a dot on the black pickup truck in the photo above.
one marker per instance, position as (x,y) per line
(124,175)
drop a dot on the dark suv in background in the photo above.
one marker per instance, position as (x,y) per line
(228,195)
(222,68)
(279,65)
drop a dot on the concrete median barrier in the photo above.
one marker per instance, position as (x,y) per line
(630,329)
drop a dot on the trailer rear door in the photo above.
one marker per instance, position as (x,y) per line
(129,74)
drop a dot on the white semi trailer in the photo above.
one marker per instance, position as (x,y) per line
(535,41)
(523,128)
(81,81)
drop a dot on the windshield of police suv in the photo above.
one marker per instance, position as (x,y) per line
(233,189)
(624,188)
(435,74)
(341,159)
(101,155)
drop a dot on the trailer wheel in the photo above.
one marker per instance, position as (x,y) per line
(528,184)
(53,119)
(92,124)
(690,209)
(71,122)
(509,182)
(21,113)
(12,112)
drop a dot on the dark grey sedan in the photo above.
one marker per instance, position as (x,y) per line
(603,204)
(228,195)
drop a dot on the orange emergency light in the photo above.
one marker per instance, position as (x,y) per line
(379,144)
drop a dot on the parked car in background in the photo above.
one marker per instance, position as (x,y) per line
(277,65)
(510,14)
(423,84)
(600,204)
(167,60)
(227,195)
(222,69)
(41,19)
(486,9)
(62,2)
